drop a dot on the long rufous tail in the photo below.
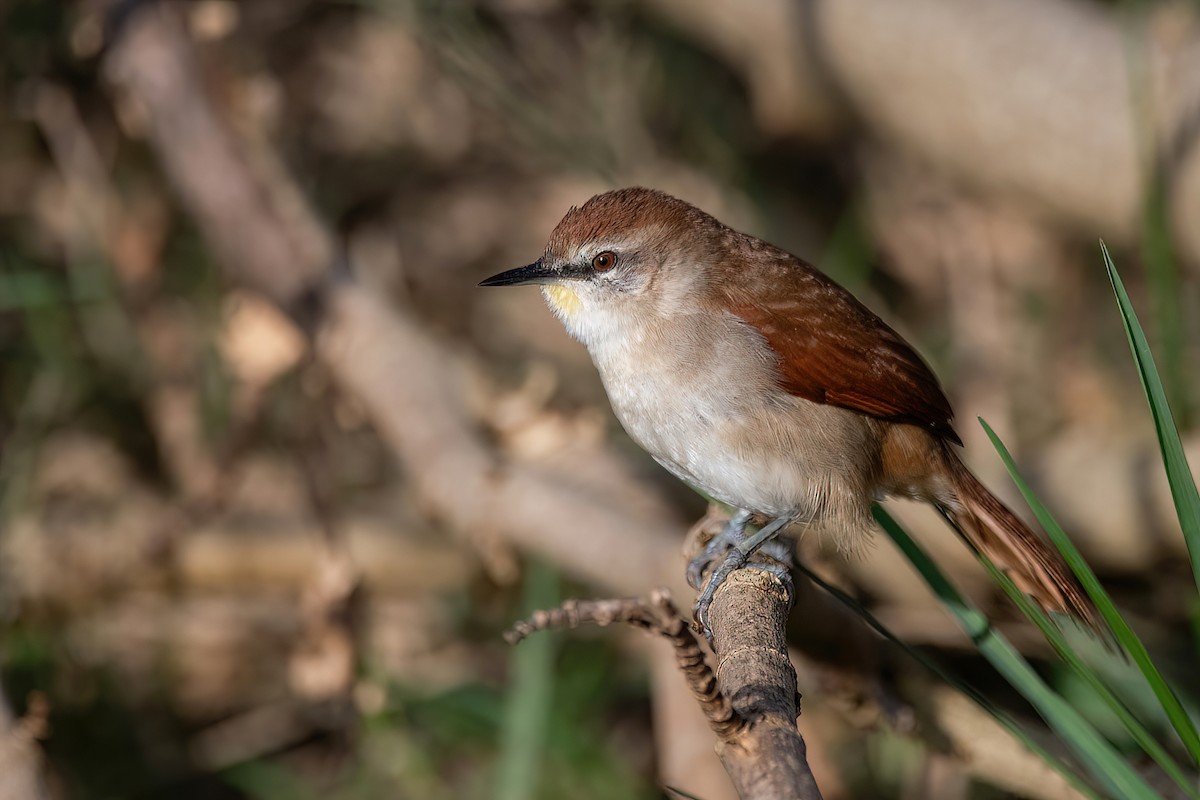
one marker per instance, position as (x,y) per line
(994,530)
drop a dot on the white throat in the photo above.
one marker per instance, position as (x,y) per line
(587,321)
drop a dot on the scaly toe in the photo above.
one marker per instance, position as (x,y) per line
(715,551)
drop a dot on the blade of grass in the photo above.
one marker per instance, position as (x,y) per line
(1002,718)
(1179,474)
(1100,758)
(1055,636)
(1124,634)
(527,708)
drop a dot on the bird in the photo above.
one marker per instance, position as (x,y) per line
(749,374)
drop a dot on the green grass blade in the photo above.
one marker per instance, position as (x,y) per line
(1179,474)
(1124,634)
(1005,720)
(1055,636)
(528,706)
(1100,758)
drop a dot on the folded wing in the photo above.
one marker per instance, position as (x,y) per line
(832,349)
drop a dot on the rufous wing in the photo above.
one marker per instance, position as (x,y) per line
(831,348)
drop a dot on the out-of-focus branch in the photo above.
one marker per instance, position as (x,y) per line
(1066,103)
(408,382)
(401,376)
(261,230)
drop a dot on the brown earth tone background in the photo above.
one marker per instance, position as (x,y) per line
(275,476)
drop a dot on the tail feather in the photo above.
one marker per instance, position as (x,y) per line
(1034,566)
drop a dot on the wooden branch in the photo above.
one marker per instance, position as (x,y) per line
(750,700)
(749,616)
(153,63)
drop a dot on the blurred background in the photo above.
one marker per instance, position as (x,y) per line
(275,476)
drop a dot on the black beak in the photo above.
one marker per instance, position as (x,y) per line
(537,272)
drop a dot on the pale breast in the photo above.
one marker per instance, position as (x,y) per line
(702,399)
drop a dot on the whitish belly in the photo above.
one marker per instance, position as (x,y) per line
(748,444)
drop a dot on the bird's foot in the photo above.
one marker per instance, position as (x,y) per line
(730,537)
(735,559)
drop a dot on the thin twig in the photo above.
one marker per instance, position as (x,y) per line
(657,615)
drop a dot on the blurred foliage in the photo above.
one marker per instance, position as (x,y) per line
(161,489)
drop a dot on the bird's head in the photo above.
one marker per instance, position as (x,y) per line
(619,257)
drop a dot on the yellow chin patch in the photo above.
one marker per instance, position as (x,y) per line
(562,299)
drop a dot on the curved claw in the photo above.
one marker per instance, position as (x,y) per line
(700,621)
(734,559)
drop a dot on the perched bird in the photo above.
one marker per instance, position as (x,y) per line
(752,376)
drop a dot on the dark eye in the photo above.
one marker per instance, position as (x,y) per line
(604,261)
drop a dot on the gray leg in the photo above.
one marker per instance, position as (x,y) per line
(730,536)
(736,559)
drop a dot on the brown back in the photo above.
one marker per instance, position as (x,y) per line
(831,348)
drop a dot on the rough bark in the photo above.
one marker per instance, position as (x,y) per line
(766,758)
